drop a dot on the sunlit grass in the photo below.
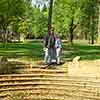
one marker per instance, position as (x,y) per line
(34,51)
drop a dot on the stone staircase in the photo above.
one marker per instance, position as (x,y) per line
(40,83)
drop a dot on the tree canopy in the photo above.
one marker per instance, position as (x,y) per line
(71,18)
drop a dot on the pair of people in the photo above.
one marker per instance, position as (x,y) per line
(52,48)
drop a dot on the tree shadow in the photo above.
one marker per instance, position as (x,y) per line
(10,67)
(53,65)
(86,52)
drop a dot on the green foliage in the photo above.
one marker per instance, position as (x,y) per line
(79,17)
(64,11)
(76,16)
(89,18)
(12,14)
(39,22)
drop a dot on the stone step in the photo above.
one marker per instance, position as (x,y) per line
(38,93)
(36,70)
(39,66)
(46,79)
(87,95)
(83,93)
(19,64)
(34,79)
(67,97)
(50,80)
(32,86)
(36,84)
(35,97)
(10,76)
(64,93)
(48,97)
(44,98)
(44,91)
(81,78)
(4,96)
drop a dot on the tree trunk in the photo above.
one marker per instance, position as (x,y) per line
(71,36)
(92,41)
(4,35)
(5,39)
(92,29)
(71,32)
(99,27)
(50,16)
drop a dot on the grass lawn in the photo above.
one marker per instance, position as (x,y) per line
(34,51)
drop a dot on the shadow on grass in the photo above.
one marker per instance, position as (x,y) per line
(86,52)
(34,51)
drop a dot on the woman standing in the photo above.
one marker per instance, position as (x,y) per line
(58,46)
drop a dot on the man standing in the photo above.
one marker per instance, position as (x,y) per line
(49,45)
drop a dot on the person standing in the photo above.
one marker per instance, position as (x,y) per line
(49,45)
(58,47)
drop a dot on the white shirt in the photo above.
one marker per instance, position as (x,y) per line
(58,43)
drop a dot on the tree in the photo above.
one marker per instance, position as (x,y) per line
(89,18)
(10,12)
(50,15)
(98,2)
(39,22)
(67,14)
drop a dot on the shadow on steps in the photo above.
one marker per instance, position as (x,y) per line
(10,67)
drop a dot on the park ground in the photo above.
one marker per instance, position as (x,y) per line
(33,51)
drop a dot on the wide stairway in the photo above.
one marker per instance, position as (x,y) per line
(36,82)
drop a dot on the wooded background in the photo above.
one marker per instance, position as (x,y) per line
(28,19)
